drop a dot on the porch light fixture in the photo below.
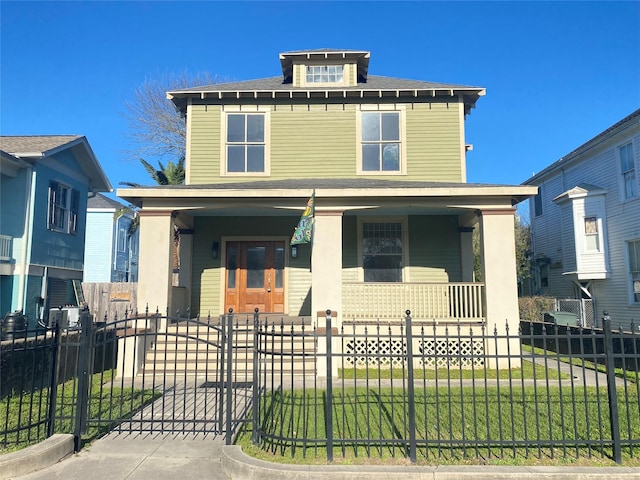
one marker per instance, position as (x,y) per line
(294,251)
(215,249)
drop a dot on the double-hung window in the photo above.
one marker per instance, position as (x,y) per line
(246,143)
(627,167)
(634,269)
(64,203)
(381,142)
(382,251)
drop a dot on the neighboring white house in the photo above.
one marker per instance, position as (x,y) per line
(585,224)
(111,249)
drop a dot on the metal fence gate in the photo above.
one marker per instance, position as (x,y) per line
(153,373)
(582,307)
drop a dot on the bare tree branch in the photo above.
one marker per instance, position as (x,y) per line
(156,128)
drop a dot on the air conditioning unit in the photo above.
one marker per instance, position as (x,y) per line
(66,317)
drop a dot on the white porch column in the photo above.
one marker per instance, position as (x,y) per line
(466,253)
(326,263)
(155,261)
(497,244)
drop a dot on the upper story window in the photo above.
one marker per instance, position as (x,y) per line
(324,73)
(537,203)
(246,143)
(627,167)
(381,142)
(64,203)
(591,234)
(122,240)
(634,269)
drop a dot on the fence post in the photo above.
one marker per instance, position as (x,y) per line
(229,378)
(255,393)
(411,391)
(612,393)
(84,360)
(221,377)
(53,386)
(329,403)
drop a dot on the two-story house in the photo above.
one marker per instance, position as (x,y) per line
(585,224)
(45,183)
(383,158)
(111,252)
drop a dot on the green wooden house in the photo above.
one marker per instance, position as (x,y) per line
(383,159)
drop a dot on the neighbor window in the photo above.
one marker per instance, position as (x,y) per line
(627,167)
(537,203)
(64,203)
(382,252)
(122,240)
(325,73)
(246,143)
(381,141)
(591,233)
(634,269)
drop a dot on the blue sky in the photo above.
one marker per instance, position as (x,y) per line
(556,73)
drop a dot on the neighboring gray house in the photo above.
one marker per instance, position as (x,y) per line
(585,224)
(111,251)
(45,181)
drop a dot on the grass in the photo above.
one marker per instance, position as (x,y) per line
(528,370)
(105,403)
(631,375)
(466,422)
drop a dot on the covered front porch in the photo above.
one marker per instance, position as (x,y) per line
(378,249)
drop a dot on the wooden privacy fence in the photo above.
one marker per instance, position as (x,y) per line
(110,299)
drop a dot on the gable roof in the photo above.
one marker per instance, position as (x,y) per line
(39,147)
(104,202)
(628,121)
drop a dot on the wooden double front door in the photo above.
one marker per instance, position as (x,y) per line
(255,276)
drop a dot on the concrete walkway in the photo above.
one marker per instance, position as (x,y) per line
(198,456)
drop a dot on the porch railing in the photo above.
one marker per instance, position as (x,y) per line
(5,247)
(432,301)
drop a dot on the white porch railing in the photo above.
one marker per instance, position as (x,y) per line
(427,301)
(5,247)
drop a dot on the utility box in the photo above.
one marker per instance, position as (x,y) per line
(562,318)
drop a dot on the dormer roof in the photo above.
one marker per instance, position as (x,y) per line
(364,88)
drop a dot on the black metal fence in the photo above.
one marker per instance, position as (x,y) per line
(417,391)
(141,373)
(448,392)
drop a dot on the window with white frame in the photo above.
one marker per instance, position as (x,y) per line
(381,142)
(324,73)
(627,167)
(591,234)
(245,143)
(634,269)
(382,248)
(64,203)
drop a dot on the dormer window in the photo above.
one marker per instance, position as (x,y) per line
(324,73)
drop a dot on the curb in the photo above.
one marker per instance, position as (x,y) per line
(36,457)
(239,466)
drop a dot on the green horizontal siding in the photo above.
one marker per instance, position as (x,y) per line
(321,141)
(433,142)
(434,244)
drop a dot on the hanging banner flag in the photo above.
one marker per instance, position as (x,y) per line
(304,230)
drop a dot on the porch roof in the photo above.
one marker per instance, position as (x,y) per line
(332,191)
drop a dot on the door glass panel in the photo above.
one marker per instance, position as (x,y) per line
(279,266)
(255,267)
(232,265)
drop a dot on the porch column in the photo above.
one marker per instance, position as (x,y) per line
(466,253)
(326,263)
(155,261)
(497,244)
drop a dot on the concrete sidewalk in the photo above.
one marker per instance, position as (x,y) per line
(199,456)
